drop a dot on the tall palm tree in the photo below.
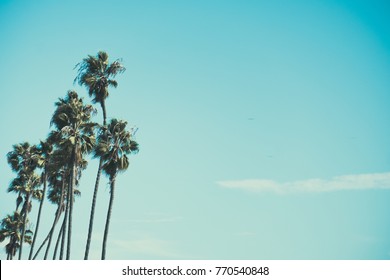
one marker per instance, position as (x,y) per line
(75,133)
(57,174)
(30,191)
(45,150)
(11,227)
(114,144)
(24,159)
(96,74)
(56,196)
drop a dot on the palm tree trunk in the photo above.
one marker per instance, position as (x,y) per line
(58,213)
(71,186)
(63,227)
(103,104)
(18,201)
(9,249)
(91,218)
(108,216)
(25,210)
(39,214)
(92,215)
(58,241)
(48,237)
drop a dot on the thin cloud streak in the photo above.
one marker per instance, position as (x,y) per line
(315,185)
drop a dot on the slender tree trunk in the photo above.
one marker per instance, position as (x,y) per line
(112,189)
(18,201)
(39,214)
(58,241)
(10,254)
(49,236)
(10,251)
(92,215)
(91,218)
(71,186)
(103,104)
(58,213)
(63,227)
(25,211)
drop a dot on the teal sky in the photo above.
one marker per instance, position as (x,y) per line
(263,125)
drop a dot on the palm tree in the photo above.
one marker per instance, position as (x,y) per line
(114,144)
(56,177)
(56,195)
(30,191)
(11,227)
(24,159)
(96,74)
(45,149)
(56,173)
(75,134)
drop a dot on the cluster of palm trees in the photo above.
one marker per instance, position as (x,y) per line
(53,168)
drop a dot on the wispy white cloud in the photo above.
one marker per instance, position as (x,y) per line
(346,182)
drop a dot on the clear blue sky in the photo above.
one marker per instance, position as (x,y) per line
(263,125)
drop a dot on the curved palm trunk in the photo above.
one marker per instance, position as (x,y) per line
(72,183)
(11,253)
(39,214)
(58,241)
(18,201)
(11,249)
(63,227)
(25,210)
(103,104)
(91,218)
(92,215)
(108,217)
(48,237)
(58,213)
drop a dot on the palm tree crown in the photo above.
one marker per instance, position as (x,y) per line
(74,136)
(114,144)
(24,159)
(11,227)
(96,73)
(73,126)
